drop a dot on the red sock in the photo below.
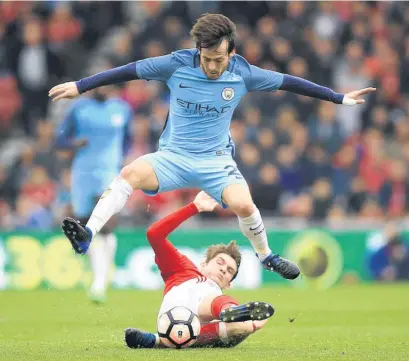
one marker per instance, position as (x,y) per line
(220,303)
(208,334)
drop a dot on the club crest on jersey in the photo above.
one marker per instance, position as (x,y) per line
(117,120)
(228,93)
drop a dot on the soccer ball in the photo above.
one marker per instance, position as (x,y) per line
(178,327)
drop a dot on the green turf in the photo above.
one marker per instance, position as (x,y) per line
(359,322)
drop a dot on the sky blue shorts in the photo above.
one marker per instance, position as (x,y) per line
(211,173)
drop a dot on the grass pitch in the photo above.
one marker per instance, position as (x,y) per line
(361,322)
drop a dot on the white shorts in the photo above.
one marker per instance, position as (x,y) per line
(189,294)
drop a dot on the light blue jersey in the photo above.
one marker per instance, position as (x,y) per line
(201,109)
(196,149)
(105,125)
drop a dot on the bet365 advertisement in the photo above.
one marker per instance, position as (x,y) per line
(45,260)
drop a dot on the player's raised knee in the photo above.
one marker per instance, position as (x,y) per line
(131,174)
(243,208)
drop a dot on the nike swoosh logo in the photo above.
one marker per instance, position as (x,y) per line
(253,229)
(183,86)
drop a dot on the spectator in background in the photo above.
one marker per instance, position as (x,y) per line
(238,132)
(249,162)
(45,154)
(370,211)
(252,120)
(121,51)
(349,73)
(10,103)
(6,218)
(395,146)
(173,30)
(290,170)
(286,119)
(325,129)
(404,69)
(391,261)
(266,139)
(3,48)
(296,20)
(336,216)
(266,29)
(39,188)
(19,172)
(299,138)
(394,194)
(373,166)
(326,23)
(315,164)
(281,51)
(4,185)
(29,216)
(322,199)
(253,50)
(344,167)
(267,190)
(379,119)
(322,61)
(62,27)
(300,206)
(36,69)
(357,196)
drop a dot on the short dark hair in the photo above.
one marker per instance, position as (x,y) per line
(232,249)
(211,29)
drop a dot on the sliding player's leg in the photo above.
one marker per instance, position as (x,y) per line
(153,173)
(215,334)
(221,334)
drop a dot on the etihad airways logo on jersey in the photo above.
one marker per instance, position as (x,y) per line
(202,109)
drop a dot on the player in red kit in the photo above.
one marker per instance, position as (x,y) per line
(225,323)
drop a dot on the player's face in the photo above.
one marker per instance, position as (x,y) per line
(215,61)
(221,269)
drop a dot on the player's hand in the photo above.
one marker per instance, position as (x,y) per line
(204,202)
(64,91)
(354,98)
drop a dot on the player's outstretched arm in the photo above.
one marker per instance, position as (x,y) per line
(305,87)
(72,89)
(162,228)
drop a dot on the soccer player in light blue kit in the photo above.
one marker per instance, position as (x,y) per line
(195,150)
(97,129)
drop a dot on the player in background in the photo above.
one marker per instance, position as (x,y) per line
(97,129)
(196,150)
(200,290)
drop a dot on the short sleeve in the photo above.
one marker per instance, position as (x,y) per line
(255,78)
(263,80)
(158,68)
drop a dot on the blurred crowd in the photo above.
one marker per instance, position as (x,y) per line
(302,158)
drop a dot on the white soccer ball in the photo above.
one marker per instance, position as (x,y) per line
(178,327)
